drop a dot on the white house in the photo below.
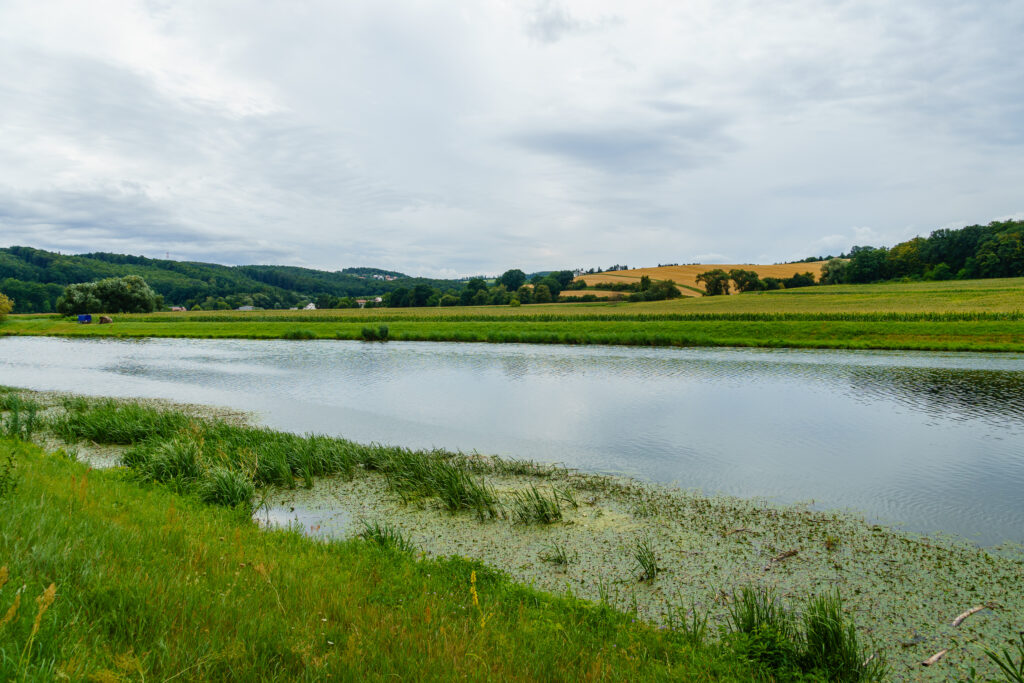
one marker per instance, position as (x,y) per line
(310,306)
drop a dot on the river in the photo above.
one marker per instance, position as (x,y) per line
(930,442)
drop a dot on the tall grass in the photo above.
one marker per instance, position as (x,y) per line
(21,420)
(533,506)
(769,634)
(386,536)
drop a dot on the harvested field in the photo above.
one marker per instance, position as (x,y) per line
(686,276)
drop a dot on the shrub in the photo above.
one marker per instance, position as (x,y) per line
(6,306)
(299,334)
(379,333)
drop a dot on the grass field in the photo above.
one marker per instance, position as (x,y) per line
(977,315)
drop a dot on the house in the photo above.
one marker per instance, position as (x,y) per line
(310,307)
(246,308)
(178,309)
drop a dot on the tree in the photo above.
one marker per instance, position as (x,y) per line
(746,280)
(799,280)
(716,282)
(525,295)
(512,279)
(645,283)
(541,294)
(6,306)
(834,272)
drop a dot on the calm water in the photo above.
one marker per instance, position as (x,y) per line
(929,441)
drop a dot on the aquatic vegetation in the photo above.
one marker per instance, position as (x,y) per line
(558,554)
(830,644)
(532,506)
(230,488)
(110,421)
(21,420)
(1012,670)
(386,536)
(645,558)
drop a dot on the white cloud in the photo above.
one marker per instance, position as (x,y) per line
(474,137)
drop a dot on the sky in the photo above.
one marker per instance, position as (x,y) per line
(466,137)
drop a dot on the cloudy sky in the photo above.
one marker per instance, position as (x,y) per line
(463,136)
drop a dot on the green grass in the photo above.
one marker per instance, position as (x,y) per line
(975,315)
(151,585)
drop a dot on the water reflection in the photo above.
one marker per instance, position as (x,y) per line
(932,440)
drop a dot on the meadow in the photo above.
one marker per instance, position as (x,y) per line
(978,315)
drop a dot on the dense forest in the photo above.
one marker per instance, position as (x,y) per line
(35,279)
(976,251)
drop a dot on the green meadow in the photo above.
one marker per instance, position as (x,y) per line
(975,315)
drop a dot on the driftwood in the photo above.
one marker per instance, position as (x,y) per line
(974,610)
(779,558)
(934,658)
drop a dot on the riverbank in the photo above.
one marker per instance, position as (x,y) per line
(978,315)
(902,590)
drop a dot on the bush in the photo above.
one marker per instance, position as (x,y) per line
(6,306)
(299,334)
(375,334)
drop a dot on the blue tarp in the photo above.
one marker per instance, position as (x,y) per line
(85,319)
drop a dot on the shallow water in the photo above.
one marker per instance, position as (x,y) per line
(929,441)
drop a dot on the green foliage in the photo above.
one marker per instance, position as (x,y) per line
(379,333)
(1011,669)
(767,633)
(716,282)
(386,536)
(512,279)
(745,280)
(227,487)
(299,334)
(8,473)
(21,420)
(645,558)
(6,306)
(129,294)
(109,421)
(532,506)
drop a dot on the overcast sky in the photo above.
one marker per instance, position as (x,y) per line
(461,137)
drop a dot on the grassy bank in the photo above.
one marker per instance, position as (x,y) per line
(118,582)
(982,315)
(675,559)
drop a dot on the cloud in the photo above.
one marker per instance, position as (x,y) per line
(475,137)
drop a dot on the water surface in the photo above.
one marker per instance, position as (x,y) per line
(930,441)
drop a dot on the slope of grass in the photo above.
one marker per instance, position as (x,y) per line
(103,580)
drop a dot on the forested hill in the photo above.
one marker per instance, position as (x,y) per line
(35,278)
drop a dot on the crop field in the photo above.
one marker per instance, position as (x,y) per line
(686,276)
(978,315)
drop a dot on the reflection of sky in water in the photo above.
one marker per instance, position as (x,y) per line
(932,440)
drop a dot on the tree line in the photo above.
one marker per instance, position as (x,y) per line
(975,251)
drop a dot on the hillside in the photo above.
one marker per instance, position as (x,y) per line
(34,278)
(686,276)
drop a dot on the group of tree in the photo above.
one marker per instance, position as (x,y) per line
(511,286)
(129,294)
(6,306)
(976,251)
(717,282)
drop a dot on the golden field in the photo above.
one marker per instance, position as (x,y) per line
(686,276)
